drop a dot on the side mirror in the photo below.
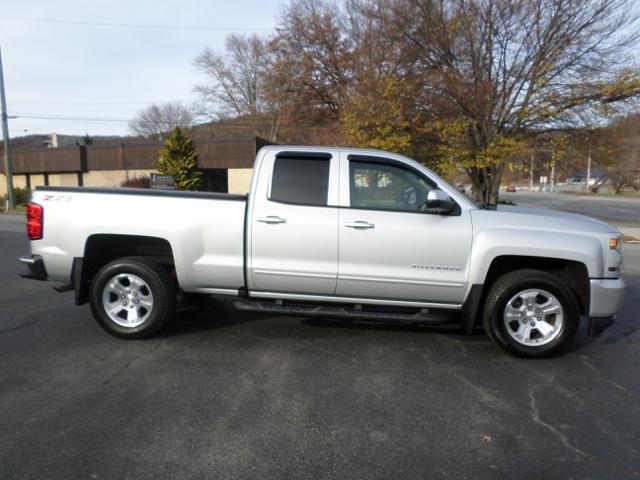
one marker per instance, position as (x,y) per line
(439,202)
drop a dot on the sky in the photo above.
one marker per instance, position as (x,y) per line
(98,77)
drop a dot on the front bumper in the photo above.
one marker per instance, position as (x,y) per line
(597,325)
(36,267)
(606,296)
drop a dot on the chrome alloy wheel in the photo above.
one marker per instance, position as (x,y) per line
(127,300)
(533,317)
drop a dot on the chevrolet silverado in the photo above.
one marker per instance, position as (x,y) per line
(333,232)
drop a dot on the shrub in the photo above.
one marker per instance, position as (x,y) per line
(22,195)
(142,181)
(179,159)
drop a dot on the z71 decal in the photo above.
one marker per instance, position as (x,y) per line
(56,198)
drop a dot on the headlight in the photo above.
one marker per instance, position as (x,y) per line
(614,256)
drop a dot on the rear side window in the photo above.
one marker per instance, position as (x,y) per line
(303,181)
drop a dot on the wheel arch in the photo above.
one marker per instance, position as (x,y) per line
(101,249)
(573,273)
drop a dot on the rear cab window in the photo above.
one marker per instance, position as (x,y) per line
(300,180)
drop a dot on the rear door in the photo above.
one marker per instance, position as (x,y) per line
(390,248)
(294,224)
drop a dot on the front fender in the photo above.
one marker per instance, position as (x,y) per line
(491,243)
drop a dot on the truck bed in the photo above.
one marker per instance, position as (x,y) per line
(205,230)
(145,192)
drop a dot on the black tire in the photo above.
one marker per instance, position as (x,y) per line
(157,281)
(510,285)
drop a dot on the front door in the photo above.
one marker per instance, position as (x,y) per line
(294,235)
(389,246)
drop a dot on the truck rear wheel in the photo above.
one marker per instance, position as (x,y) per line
(132,297)
(531,313)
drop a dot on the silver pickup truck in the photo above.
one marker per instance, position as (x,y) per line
(341,233)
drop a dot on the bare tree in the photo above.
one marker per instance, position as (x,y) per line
(157,119)
(329,61)
(312,64)
(233,79)
(623,139)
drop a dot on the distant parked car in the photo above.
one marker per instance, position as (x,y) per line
(511,189)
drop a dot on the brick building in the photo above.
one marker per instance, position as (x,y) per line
(226,164)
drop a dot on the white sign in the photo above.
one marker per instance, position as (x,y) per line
(162,182)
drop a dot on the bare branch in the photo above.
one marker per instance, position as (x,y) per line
(158,119)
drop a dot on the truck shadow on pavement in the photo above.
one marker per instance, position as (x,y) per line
(208,313)
(212,313)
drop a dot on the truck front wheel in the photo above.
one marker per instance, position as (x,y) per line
(132,297)
(531,313)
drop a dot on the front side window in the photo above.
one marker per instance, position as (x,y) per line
(302,181)
(384,186)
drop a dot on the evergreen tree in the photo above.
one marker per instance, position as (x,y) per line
(179,159)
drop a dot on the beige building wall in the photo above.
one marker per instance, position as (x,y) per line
(19,181)
(239,180)
(62,180)
(111,178)
(36,180)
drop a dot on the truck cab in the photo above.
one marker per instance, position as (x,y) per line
(343,224)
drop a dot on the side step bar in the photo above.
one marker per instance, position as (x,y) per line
(350,313)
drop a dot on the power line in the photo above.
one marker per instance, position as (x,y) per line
(130,25)
(114,120)
(89,102)
(37,116)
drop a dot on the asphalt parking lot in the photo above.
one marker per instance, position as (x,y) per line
(623,212)
(224,395)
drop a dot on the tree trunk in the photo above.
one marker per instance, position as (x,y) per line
(618,185)
(486,183)
(273,136)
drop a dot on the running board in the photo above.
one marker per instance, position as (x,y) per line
(351,313)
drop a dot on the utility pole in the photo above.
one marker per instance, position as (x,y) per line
(531,174)
(588,170)
(8,171)
(553,168)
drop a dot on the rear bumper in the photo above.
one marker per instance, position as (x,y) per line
(606,296)
(36,267)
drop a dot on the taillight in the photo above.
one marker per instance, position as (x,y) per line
(34,221)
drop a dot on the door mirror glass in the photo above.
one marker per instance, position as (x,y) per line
(439,202)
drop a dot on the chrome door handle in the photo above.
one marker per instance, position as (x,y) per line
(360,225)
(271,219)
